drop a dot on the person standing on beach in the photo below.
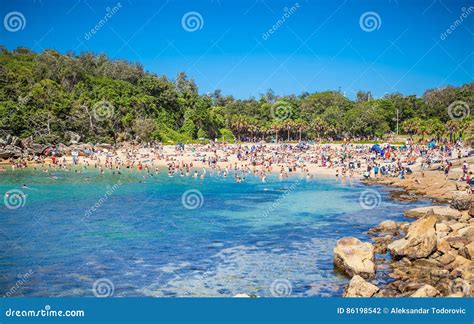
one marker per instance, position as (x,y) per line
(446,169)
(465,169)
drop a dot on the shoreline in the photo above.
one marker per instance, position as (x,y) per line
(198,157)
(431,185)
(163,169)
(445,269)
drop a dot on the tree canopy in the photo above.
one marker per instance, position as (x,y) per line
(54,97)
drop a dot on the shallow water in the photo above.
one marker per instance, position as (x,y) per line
(262,238)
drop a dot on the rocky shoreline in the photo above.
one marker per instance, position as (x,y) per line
(432,256)
(12,147)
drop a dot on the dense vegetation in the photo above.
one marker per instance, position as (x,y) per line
(90,98)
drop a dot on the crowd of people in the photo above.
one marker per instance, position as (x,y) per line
(347,160)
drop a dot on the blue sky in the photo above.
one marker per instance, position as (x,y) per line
(321,45)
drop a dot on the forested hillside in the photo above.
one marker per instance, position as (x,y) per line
(91,98)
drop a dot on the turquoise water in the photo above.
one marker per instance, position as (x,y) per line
(240,238)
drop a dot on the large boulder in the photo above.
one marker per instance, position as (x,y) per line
(441,212)
(10,152)
(387,226)
(467,232)
(461,201)
(82,149)
(455,241)
(4,154)
(426,291)
(358,287)
(15,141)
(63,149)
(105,146)
(38,149)
(464,267)
(9,139)
(419,242)
(442,230)
(27,142)
(354,257)
(470,251)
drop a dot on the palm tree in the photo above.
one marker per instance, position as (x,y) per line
(452,127)
(251,126)
(238,125)
(288,125)
(264,131)
(470,131)
(435,128)
(422,129)
(275,128)
(301,126)
(464,125)
(410,126)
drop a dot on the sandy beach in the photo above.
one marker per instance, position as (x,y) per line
(316,160)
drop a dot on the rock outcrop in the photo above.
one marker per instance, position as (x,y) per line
(358,287)
(433,259)
(426,291)
(461,201)
(354,257)
(441,212)
(10,151)
(13,148)
(419,242)
(434,255)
